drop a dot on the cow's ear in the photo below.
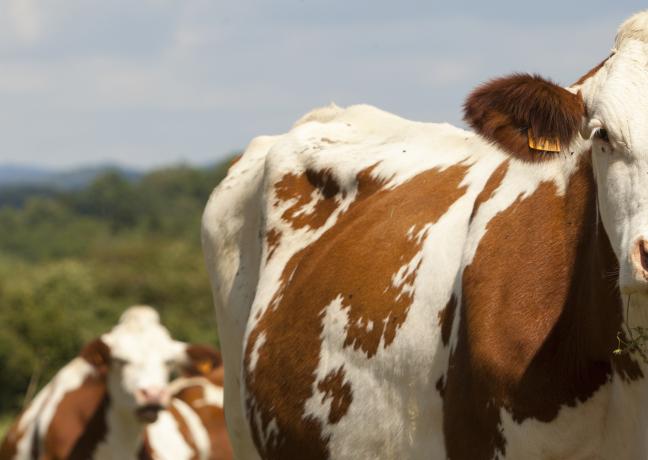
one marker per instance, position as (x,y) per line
(202,360)
(529,117)
(97,353)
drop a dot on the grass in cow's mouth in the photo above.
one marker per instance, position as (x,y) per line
(632,339)
(635,343)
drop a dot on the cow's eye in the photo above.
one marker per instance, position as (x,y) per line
(602,134)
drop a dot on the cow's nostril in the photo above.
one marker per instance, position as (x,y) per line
(643,254)
(639,258)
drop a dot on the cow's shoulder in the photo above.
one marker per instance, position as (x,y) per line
(333,159)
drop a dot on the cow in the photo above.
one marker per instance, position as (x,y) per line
(403,290)
(99,404)
(193,427)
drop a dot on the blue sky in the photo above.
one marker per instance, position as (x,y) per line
(144,83)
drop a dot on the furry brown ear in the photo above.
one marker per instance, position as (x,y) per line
(97,353)
(521,110)
(203,361)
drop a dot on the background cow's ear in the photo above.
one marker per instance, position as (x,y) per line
(97,353)
(203,360)
(526,115)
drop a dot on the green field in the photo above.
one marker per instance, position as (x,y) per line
(71,262)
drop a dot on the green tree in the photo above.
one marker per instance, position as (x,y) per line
(71,262)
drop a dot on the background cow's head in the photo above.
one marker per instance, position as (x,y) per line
(606,111)
(137,358)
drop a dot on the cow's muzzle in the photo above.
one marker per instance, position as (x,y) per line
(148,413)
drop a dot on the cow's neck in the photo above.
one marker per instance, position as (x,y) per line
(539,315)
(571,357)
(125,434)
(576,360)
(626,418)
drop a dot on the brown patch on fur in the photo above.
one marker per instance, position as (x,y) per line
(79,422)
(592,71)
(355,259)
(503,109)
(494,181)
(273,237)
(301,189)
(548,329)
(446,317)
(340,394)
(212,418)
(221,448)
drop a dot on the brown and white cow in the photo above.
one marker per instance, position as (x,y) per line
(193,426)
(98,405)
(394,289)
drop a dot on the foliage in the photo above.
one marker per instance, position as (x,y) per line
(71,262)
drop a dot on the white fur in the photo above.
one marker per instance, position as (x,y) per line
(124,436)
(165,439)
(634,28)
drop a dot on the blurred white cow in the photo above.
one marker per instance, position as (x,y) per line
(99,404)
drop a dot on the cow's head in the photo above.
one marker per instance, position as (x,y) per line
(536,120)
(137,358)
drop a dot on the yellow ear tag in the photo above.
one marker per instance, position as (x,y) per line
(545,144)
(204,367)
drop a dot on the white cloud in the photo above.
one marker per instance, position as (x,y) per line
(160,80)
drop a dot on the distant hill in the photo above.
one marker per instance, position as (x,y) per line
(17,174)
(12,176)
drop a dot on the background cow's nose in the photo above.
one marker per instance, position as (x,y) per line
(640,257)
(150,395)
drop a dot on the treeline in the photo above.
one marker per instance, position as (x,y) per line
(70,262)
